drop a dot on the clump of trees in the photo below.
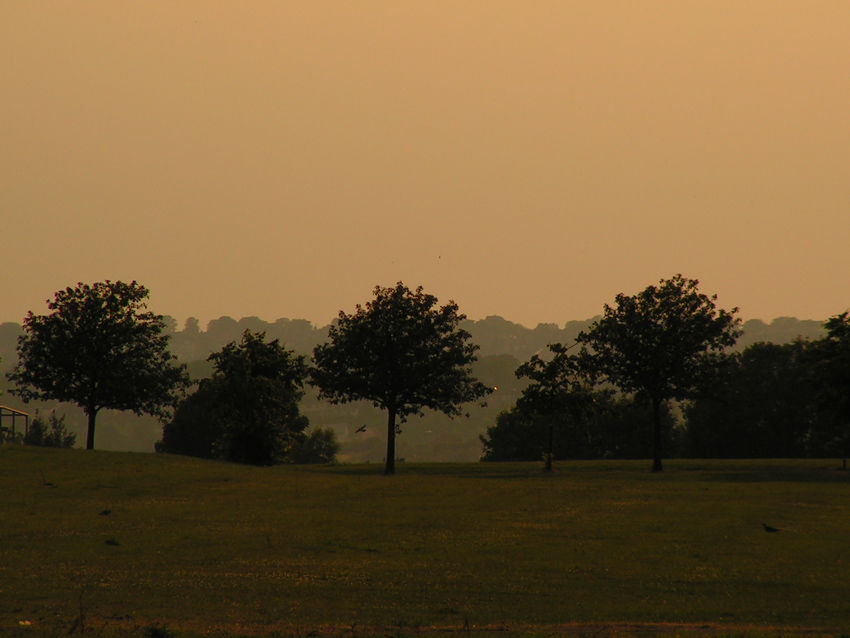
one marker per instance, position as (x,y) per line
(247,411)
(662,344)
(789,400)
(400,351)
(612,393)
(616,427)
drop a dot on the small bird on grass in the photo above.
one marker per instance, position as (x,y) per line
(768,528)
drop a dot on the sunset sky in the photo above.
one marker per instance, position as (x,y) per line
(525,159)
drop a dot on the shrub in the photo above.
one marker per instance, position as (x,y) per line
(319,446)
(52,433)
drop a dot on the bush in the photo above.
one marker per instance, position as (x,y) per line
(52,433)
(193,430)
(319,446)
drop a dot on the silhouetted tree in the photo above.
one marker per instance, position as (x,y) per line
(560,389)
(402,353)
(247,412)
(661,344)
(99,350)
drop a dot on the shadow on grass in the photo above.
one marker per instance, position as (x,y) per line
(826,475)
(723,470)
(471,470)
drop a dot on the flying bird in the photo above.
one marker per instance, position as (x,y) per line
(362,428)
(768,528)
(105,513)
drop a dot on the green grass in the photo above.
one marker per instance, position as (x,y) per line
(207,548)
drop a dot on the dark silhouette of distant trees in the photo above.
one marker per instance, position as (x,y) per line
(764,408)
(663,343)
(194,344)
(98,348)
(247,411)
(780,330)
(494,335)
(616,427)
(788,400)
(830,363)
(402,353)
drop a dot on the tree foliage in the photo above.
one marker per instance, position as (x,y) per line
(247,411)
(663,343)
(404,354)
(562,382)
(100,349)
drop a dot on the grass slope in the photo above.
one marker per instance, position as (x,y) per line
(212,547)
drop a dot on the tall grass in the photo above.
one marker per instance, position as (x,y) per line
(203,546)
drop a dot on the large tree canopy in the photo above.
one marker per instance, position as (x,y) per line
(402,353)
(98,349)
(661,344)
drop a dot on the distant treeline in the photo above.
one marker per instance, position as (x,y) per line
(494,335)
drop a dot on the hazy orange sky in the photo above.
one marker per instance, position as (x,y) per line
(526,159)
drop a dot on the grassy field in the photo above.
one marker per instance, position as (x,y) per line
(596,548)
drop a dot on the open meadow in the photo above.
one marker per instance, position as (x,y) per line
(134,544)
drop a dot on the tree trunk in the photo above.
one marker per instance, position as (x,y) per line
(90,435)
(656,443)
(390,468)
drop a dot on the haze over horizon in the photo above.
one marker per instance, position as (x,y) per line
(527,160)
